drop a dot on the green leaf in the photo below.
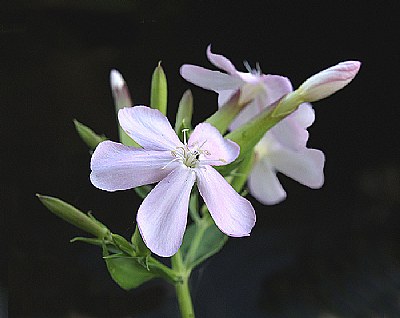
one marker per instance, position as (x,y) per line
(201,241)
(158,96)
(126,271)
(185,112)
(89,137)
(74,216)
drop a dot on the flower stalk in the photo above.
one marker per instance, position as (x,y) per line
(182,287)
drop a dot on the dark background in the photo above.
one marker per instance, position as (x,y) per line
(333,252)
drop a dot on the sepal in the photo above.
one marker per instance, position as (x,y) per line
(140,247)
(224,116)
(159,93)
(184,114)
(89,137)
(74,216)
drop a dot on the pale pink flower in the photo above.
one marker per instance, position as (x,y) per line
(327,82)
(257,89)
(162,216)
(283,149)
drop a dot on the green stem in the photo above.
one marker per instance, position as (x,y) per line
(182,287)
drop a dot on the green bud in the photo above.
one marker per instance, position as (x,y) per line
(74,216)
(158,96)
(89,137)
(185,112)
(123,244)
(137,241)
(224,116)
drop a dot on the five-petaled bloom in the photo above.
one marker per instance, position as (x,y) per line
(162,216)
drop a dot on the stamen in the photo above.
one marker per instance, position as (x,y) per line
(247,66)
(256,71)
(258,68)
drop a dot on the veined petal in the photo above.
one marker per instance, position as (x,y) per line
(233,214)
(212,80)
(221,61)
(149,128)
(162,216)
(305,166)
(118,167)
(264,184)
(220,151)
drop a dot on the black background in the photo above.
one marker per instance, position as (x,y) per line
(333,252)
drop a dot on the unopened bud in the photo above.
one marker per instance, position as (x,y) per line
(327,82)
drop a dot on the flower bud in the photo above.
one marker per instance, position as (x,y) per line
(327,82)
(122,99)
(159,92)
(185,112)
(119,90)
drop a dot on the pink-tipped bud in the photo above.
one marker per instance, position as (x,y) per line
(119,90)
(327,82)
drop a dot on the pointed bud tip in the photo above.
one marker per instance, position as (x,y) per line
(116,80)
(328,81)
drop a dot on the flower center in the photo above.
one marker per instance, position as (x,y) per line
(189,157)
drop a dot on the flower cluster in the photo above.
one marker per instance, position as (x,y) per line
(177,165)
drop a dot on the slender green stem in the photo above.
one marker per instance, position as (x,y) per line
(182,287)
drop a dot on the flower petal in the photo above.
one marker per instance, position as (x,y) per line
(162,216)
(273,88)
(276,87)
(220,151)
(264,184)
(149,128)
(221,61)
(291,132)
(224,96)
(233,214)
(118,167)
(304,115)
(212,80)
(305,166)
